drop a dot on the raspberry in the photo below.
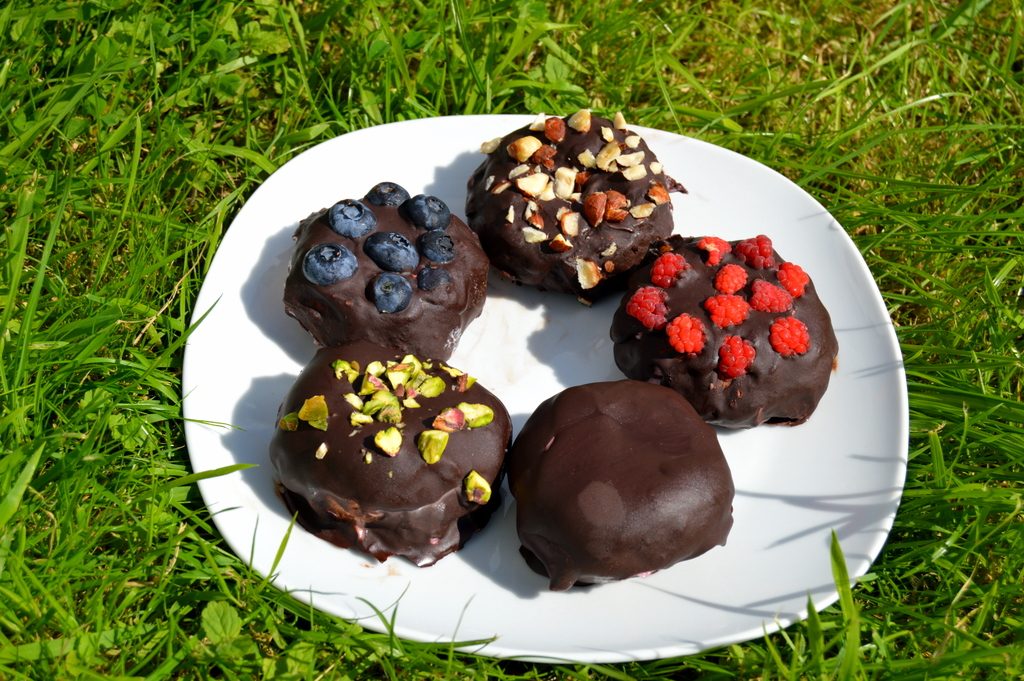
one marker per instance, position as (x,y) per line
(793,278)
(667,269)
(715,247)
(756,252)
(789,336)
(734,357)
(767,297)
(727,310)
(730,279)
(647,305)
(686,334)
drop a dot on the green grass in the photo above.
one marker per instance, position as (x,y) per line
(130,136)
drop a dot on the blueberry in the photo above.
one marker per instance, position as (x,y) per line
(426,212)
(437,246)
(351,218)
(391,292)
(387,194)
(391,251)
(432,277)
(325,264)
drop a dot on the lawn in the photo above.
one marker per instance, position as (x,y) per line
(132,134)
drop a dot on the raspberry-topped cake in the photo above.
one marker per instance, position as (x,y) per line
(396,270)
(734,328)
(570,204)
(389,453)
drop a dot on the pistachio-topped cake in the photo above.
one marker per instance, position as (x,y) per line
(389,453)
(569,204)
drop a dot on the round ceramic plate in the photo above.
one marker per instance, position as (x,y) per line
(842,471)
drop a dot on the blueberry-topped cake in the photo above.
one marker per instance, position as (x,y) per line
(570,204)
(390,453)
(737,330)
(396,270)
(615,480)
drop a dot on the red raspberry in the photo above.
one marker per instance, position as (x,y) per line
(667,269)
(647,305)
(715,247)
(756,252)
(768,297)
(793,278)
(730,279)
(789,336)
(686,334)
(727,310)
(734,357)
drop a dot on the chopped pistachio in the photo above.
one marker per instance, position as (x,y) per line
(375,368)
(358,418)
(367,456)
(414,362)
(371,384)
(410,403)
(389,440)
(321,451)
(431,444)
(354,400)
(348,370)
(379,400)
(289,421)
(465,382)
(432,387)
(314,412)
(477,415)
(450,420)
(452,371)
(476,488)
(392,413)
(399,374)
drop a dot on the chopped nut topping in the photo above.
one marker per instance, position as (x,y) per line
(641,210)
(655,167)
(581,178)
(606,133)
(533,236)
(533,185)
(531,208)
(321,451)
(586,159)
(523,148)
(489,146)
(632,159)
(488,182)
(576,197)
(580,121)
(632,141)
(620,121)
(588,273)
(538,122)
(634,173)
(565,181)
(658,193)
(609,266)
(545,156)
(520,169)
(615,206)
(608,154)
(610,251)
(501,186)
(510,216)
(554,129)
(537,220)
(593,208)
(570,223)
(560,244)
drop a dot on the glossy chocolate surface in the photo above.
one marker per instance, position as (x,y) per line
(614,247)
(774,389)
(383,505)
(617,479)
(434,320)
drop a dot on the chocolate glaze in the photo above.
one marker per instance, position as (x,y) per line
(617,479)
(537,264)
(393,505)
(775,389)
(433,322)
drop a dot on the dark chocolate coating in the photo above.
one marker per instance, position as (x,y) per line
(775,389)
(617,479)
(434,320)
(538,264)
(393,505)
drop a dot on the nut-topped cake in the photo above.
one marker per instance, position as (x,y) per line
(396,270)
(570,204)
(737,330)
(389,453)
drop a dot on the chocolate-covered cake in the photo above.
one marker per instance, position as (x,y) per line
(569,204)
(392,269)
(389,453)
(615,480)
(737,330)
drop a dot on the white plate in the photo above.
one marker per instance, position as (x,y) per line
(843,470)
